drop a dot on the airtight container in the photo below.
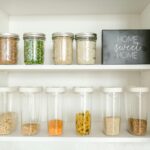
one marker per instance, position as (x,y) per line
(8,48)
(83,115)
(63,48)
(86,48)
(30,110)
(34,48)
(8,110)
(137,105)
(112,115)
(55,110)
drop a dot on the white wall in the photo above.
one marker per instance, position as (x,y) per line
(4,22)
(145,17)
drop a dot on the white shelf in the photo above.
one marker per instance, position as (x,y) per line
(46,7)
(73,67)
(70,136)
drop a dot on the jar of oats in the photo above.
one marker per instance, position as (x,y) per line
(112,115)
(30,110)
(86,48)
(137,105)
(83,114)
(8,48)
(8,111)
(63,48)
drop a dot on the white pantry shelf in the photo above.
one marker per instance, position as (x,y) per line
(74,67)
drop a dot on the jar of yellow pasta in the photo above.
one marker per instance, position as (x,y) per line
(83,115)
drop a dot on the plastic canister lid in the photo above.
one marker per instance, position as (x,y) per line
(34,35)
(65,34)
(9,35)
(86,35)
(139,89)
(8,89)
(83,89)
(112,90)
(55,89)
(30,89)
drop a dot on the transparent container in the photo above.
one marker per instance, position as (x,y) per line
(8,48)
(8,110)
(137,110)
(55,112)
(34,48)
(112,115)
(83,115)
(30,110)
(63,48)
(86,48)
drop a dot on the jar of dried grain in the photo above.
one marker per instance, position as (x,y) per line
(8,48)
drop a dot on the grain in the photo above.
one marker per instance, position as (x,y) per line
(55,127)
(112,125)
(30,129)
(83,123)
(137,126)
(7,122)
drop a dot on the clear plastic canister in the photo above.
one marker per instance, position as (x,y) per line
(34,48)
(55,112)
(137,110)
(30,110)
(112,115)
(8,110)
(83,115)
(8,48)
(86,48)
(63,48)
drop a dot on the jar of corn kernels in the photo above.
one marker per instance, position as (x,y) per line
(8,48)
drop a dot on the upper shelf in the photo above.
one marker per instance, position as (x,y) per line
(46,7)
(74,67)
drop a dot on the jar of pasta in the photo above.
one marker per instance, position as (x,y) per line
(137,110)
(83,115)
(86,48)
(34,48)
(8,48)
(8,110)
(30,110)
(63,48)
(55,113)
(112,115)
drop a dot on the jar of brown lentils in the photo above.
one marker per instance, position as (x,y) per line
(8,48)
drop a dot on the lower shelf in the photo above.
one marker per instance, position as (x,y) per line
(70,136)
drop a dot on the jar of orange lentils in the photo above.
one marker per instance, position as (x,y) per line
(55,113)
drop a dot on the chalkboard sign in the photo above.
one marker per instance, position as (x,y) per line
(126,47)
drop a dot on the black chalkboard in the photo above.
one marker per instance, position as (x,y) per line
(126,47)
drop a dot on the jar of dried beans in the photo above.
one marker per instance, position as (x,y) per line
(137,113)
(55,113)
(63,48)
(8,48)
(86,48)
(8,110)
(30,110)
(34,48)
(112,115)
(83,115)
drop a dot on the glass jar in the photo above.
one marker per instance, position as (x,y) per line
(34,48)
(30,110)
(83,116)
(8,48)
(8,112)
(55,118)
(86,48)
(137,110)
(63,48)
(112,115)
